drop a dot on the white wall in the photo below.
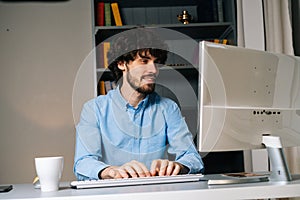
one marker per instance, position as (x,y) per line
(42,46)
(251,35)
(254,37)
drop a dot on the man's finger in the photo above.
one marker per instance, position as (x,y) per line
(170,168)
(140,169)
(154,168)
(163,167)
(123,172)
(176,169)
(130,171)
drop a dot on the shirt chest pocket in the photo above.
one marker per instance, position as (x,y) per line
(154,143)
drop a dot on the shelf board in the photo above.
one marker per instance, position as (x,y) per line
(164,25)
(198,31)
(102,70)
(184,67)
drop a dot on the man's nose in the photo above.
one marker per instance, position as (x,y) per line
(152,67)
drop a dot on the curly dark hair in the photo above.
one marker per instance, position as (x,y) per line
(127,45)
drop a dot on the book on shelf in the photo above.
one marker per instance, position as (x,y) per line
(102,50)
(100,14)
(116,14)
(108,86)
(106,47)
(101,88)
(220,41)
(220,10)
(107,14)
(104,86)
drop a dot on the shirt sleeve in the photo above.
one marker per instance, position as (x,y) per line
(180,140)
(88,153)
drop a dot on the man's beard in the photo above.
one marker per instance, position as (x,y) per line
(146,88)
(143,89)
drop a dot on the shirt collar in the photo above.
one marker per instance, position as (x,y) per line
(124,104)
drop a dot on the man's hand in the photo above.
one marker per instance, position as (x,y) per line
(130,169)
(165,168)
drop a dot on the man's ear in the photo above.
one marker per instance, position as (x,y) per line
(121,65)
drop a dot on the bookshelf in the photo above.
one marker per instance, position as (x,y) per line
(208,23)
(205,25)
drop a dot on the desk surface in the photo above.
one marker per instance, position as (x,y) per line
(192,190)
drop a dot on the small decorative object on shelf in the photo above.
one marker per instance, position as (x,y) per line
(185,17)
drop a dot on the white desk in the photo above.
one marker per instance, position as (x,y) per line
(183,191)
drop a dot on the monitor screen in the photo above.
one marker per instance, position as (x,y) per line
(245,94)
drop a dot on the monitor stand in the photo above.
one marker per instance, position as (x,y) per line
(234,178)
(279,168)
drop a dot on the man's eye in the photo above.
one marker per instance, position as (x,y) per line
(145,61)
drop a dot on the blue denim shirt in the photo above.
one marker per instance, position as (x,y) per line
(112,132)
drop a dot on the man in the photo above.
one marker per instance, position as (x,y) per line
(132,131)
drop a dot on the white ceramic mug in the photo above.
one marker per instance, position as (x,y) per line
(49,171)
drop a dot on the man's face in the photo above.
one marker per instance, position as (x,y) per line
(142,72)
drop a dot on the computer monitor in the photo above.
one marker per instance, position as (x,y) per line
(245,94)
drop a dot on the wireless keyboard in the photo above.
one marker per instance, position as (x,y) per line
(135,181)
